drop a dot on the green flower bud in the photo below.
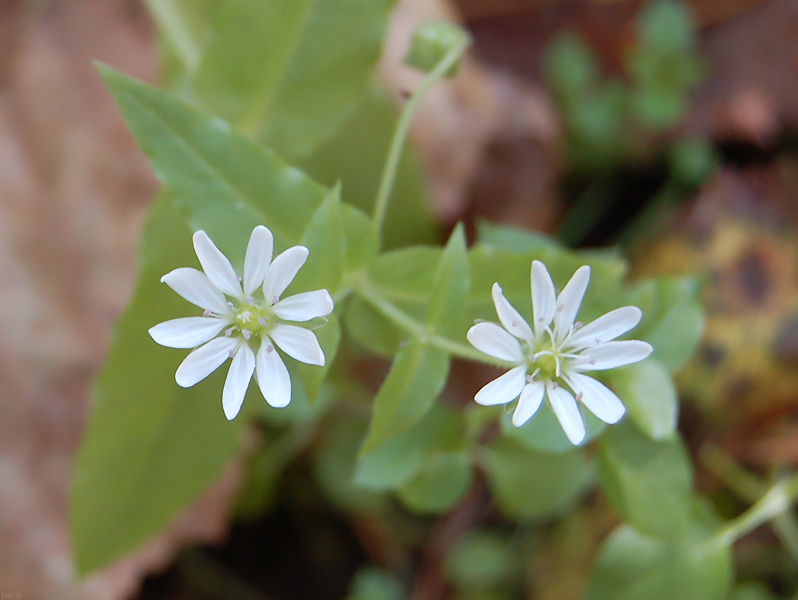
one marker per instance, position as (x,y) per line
(431,42)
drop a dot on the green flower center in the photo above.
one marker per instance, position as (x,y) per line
(253,319)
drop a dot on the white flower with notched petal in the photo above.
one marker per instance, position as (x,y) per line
(252,325)
(556,353)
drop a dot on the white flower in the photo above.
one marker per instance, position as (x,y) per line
(252,324)
(556,353)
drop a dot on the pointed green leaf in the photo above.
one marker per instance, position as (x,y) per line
(324,237)
(290,71)
(632,566)
(151,448)
(226,183)
(649,483)
(447,302)
(647,391)
(361,239)
(417,376)
(544,433)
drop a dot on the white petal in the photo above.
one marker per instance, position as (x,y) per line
(510,318)
(564,406)
(237,382)
(204,361)
(273,378)
(495,341)
(569,300)
(611,355)
(503,389)
(282,271)
(216,266)
(258,258)
(188,332)
(543,298)
(195,287)
(528,403)
(607,327)
(598,398)
(298,343)
(305,306)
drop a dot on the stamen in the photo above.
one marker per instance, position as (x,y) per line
(530,378)
(232,353)
(554,385)
(246,333)
(541,320)
(206,312)
(261,321)
(229,332)
(239,279)
(560,308)
(275,299)
(592,361)
(230,304)
(579,396)
(556,365)
(269,348)
(250,299)
(515,323)
(578,325)
(598,341)
(535,372)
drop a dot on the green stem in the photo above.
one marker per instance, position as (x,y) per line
(400,134)
(400,318)
(771,505)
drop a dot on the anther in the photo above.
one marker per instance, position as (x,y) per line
(261,321)
(270,348)
(515,323)
(592,361)
(232,353)
(206,312)
(541,320)
(229,332)
(239,279)
(530,379)
(579,396)
(598,341)
(230,304)
(275,299)
(578,325)
(560,308)
(554,385)
(249,299)
(246,333)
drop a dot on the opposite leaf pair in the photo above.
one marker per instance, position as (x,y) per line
(554,354)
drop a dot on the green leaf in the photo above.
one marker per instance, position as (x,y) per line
(440,483)
(329,336)
(647,391)
(362,242)
(447,303)
(356,156)
(649,483)
(375,584)
(395,462)
(752,591)
(417,376)
(632,566)
(530,485)
(481,560)
(324,238)
(226,183)
(544,433)
(372,330)
(291,71)
(151,448)
(673,319)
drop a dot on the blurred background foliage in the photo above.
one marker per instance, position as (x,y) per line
(652,140)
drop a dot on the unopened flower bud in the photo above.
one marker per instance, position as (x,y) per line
(431,42)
